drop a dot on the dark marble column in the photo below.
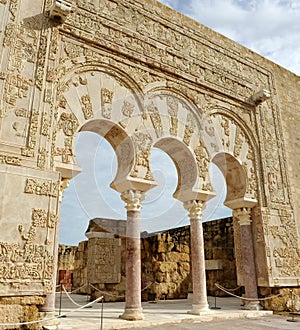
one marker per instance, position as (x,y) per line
(200,304)
(243,215)
(133,305)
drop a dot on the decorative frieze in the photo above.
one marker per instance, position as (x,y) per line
(41,188)
(10,160)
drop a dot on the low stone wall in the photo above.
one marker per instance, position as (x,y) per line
(280,299)
(166,265)
(166,268)
(14,309)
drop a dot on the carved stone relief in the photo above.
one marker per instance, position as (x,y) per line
(143,143)
(41,188)
(106,102)
(87,107)
(155,118)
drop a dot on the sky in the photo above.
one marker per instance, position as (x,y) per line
(270,28)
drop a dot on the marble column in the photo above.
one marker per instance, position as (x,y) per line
(133,303)
(200,303)
(243,215)
(48,309)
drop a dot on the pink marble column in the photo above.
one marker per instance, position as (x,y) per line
(243,215)
(200,304)
(48,309)
(133,304)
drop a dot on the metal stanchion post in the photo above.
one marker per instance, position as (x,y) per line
(293,312)
(215,307)
(101,318)
(60,297)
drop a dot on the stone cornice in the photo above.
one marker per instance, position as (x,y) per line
(146,37)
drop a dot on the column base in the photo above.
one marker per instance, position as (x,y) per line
(199,309)
(52,323)
(132,314)
(252,306)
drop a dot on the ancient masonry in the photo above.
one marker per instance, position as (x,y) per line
(142,76)
(166,266)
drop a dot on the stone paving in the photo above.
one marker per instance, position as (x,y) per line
(156,315)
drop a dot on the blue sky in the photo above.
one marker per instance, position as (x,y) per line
(269,27)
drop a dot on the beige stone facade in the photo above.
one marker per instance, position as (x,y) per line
(142,76)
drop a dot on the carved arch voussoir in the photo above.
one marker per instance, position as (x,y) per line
(225,133)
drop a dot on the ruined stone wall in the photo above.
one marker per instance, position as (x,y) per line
(166,268)
(80,267)
(166,263)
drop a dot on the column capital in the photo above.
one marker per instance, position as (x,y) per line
(133,199)
(194,208)
(243,215)
(64,184)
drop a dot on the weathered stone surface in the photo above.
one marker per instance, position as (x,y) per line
(141,81)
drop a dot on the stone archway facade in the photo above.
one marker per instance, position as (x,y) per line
(124,70)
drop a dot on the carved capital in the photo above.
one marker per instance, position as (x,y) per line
(64,184)
(243,215)
(194,208)
(133,199)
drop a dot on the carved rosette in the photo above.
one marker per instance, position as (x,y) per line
(133,199)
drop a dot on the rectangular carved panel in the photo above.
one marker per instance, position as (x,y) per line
(104,260)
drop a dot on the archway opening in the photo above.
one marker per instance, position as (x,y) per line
(234,174)
(215,208)
(89,194)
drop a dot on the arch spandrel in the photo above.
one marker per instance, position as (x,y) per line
(94,99)
(231,147)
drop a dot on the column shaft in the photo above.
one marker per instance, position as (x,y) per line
(200,303)
(133,304)
(247,248)
(133,261)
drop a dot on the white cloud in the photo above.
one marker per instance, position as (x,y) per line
(269,27)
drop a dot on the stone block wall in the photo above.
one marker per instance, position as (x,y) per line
(166,265)
(166,261)
(219,255)
(166,268)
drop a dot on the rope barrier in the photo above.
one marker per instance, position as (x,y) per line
(51,318)
(115,295)
(248,299)
(70,298)
(75,290)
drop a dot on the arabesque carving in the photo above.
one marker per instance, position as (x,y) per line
(41,188)
(10,160)
(142,144)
